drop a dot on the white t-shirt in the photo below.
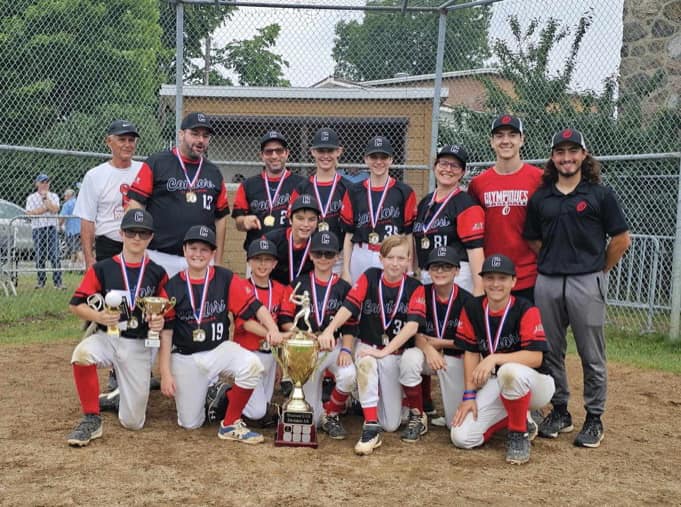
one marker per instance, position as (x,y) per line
(35,201)
(103,195)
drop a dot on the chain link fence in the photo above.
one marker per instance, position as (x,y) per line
(420,72)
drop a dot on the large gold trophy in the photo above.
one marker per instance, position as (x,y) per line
(298,358)
(154,306)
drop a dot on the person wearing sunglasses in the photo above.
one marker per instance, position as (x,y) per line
(119,340)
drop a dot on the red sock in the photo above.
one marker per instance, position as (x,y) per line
(517,412)
(414,397)
(87,385)
(328,374)
(238,397)
(336,402)
(426,388)
(370,414)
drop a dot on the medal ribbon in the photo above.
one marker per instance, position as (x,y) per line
(138,285)
(269,293)
(324,210)
(372,218)
(493,346)
(204,293)
(381,304)
(319,315)
(184,170)
(440,328)
(291,276)
(450,195)
(271,200)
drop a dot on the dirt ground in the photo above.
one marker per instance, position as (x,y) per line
(638,462)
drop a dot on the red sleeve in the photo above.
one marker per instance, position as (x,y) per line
(465,335)
(470,224)
(222,206)
(292,199)
(356,296)
(88,285)
(286,307)
(143,185)
(346,213)
(416,309)
(168,316)
(240,203)
(532,335)
(410,210)
(240,297)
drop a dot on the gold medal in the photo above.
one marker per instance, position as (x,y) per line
(269,221)
(190,197)
(133,323)
(199,335)
(385,339)
(374,238)
(323,226)
(425,243)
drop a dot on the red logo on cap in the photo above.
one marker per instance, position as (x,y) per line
(506,119)
(581,206)
(567,133)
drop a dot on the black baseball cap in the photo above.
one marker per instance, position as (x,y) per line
(120,127)
(443,255)
(261,246)
(305,201)
(273,135)
(498,263)
(453,150)
(195,121)
(379,144)
(200,233)
(507,120)
(324,241)
(325,138)
(568,136)
(137,219)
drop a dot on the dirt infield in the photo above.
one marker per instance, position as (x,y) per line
(638,463)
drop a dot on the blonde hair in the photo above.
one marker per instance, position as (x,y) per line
(393,241)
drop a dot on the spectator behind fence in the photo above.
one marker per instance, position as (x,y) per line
(41,205)
(71,226)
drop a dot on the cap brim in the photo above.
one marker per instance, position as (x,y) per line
(200,126)
(442,261)
(324,249)
(501,272)
(136,226)
(260,252)
(201,240)
(327,145)
(376,150)
(123,132)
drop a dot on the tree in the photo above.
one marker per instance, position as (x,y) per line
(383,44)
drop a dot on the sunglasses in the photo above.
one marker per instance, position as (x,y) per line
(143,234)
(272,151)
(446,164)
(326,255)
(441,266)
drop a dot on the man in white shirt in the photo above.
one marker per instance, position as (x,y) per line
(43,205)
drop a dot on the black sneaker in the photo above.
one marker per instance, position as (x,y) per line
(370,439)
(154,383)
(112,383)
(517,448)
(109,402)
(555,423)
(216,402)
(327,388)
(591,434)
(89,428)
(417,425)
(532,429)
(286,387)
(332,425)
(429,408)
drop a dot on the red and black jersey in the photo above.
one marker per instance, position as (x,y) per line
(227,293)
(396,217)
(301,257)
(277,302)
(522,329)
(363,302)
(504,198)
(161,186)
(460,224)
(333,291)
(107,275)
(333,208)
(439,312)
(251,199)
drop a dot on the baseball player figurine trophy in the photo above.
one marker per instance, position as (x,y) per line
(297,357)
(155,306)
(112,305)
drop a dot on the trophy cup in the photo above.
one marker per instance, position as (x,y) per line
(154,306)
(112,305)
(297,357)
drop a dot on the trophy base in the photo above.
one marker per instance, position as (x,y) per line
(296,429)
(151,343)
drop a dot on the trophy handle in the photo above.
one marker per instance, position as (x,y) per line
(277,357)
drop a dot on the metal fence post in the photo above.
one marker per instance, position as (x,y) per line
(435,119)
(675,316)
(179,66)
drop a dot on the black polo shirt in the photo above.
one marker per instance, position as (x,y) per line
(573,227)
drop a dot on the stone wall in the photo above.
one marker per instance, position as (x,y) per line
(651,52)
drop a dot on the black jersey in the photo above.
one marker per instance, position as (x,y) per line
(251,199)
(330,204)
(226,293)
(447,324)
(364,304)
(457,222)
(300,259)
(107,275)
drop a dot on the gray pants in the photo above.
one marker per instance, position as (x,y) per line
(577,301)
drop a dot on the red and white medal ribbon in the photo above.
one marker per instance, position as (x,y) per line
(374,218)
(138,285)
(291,276)
(441,328)
(270,199)
(493,346)
(269,293)
(204,293)
(324,210)
(443,204)
(381,304)
(192,182)
(319,314)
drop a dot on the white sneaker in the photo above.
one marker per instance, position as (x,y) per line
(370,439)
(239,432)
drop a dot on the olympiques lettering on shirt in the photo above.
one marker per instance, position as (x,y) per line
(502,198)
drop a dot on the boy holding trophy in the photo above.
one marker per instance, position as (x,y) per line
(110,295)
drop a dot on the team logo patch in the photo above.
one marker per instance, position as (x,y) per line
(441,251)
(138,217)
(505,119)
(378,142)
(581,206)
(496,261)
(326,239)
(201,117)
(203,231)
(264,244)
(567,133)
(306,199)
(325,135)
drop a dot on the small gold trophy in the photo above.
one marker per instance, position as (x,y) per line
(112,305)
(154,306)
(297,357)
